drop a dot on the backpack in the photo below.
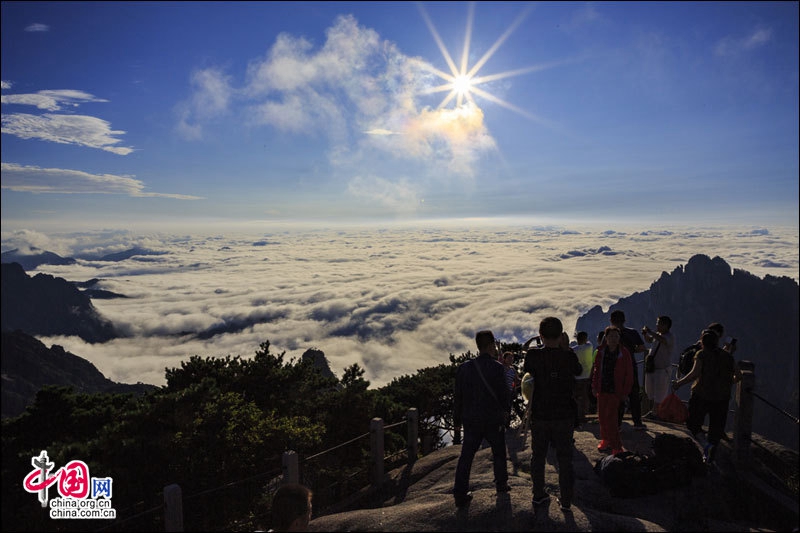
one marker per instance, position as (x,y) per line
(670,449)
(627,474)
(671,409)
(686,361)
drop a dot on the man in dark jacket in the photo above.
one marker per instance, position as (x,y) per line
(552,410)
(481,403)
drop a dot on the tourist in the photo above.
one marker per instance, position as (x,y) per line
(656,383)
(612,380)
(552,410)
(712,376)
(634,344)
(291,508)
(481,406)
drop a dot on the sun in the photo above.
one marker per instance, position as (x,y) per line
(462,83)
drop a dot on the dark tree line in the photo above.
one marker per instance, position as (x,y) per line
(218,429)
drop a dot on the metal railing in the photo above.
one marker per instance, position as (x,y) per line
(290,472)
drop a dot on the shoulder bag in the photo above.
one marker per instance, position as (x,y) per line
(505,415)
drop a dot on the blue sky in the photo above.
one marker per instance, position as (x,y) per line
(135,114)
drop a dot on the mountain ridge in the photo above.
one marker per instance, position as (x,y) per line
(47,305)
(762,313)
(28,365)
(32,261)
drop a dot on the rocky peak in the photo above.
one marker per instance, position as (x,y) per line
(47,305)
(761,313)
(319,361)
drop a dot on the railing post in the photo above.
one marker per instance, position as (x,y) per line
(376,449)
(743,417)
(173,508)
(291,467)
(413,429)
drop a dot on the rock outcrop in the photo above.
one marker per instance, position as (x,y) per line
(419,497)
(47,305)
(127,254)
(761,313)
(28,365)
(319,361)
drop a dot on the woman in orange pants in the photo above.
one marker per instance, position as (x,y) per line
(612,379)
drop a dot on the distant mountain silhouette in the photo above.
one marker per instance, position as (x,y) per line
(46,305)
(98,294)
(235,324)
(127,254)
(37,257)
(761,313)
(28,365)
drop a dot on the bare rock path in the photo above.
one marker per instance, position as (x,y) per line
(419,498)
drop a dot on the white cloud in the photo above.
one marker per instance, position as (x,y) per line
(757,38)
(38,27)
(211,96)
(728,46)
(34,179)
(26,240)
(458,136)
(392,299)
(5,84)
(352,90)
(381,131)
(50,100)
(82,130)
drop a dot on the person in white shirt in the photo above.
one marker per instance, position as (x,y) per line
(657,382)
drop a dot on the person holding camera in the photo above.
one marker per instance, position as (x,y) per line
(658,362)
(552,409)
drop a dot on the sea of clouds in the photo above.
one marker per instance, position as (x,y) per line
(392,298)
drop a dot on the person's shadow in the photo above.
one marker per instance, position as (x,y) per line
(504,515)
(516,443)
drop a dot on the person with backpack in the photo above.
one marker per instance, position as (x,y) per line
(612,379)
(686,359)
(712,377)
